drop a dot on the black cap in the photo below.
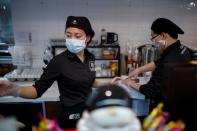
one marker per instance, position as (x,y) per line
(164,25)
(81,23)
(108,95)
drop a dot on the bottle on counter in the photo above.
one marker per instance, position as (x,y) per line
(104,72)
(129,57)
(103,36)
(129,62)
(136,60)
(114,69)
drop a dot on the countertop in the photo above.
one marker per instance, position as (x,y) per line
(52,94)
(140,106)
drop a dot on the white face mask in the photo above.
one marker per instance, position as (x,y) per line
(75,45)
(160,44)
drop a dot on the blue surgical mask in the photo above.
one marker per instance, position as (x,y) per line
(75,45)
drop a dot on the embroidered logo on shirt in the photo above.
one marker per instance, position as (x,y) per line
(74,116)
(92,65)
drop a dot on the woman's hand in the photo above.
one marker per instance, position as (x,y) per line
(115,80)
(131,84)
(7,88)
(134,73)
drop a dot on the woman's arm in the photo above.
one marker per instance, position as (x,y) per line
(28,92)
(98,83)
(148,67)
(131,84)
(9,89)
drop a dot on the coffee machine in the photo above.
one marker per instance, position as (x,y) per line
(108,38)
(148,53)
(112,38)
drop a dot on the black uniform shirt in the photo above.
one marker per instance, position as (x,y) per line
(174,53)
(74,78)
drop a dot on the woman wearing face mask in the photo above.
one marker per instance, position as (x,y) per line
(73,70)
(165,34)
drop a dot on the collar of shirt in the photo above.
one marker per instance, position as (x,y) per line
(88,55)
(171,47)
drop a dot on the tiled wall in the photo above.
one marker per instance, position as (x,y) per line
(131,19)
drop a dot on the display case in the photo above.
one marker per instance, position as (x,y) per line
(107,63)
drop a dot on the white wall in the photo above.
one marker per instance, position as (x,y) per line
(131,19)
